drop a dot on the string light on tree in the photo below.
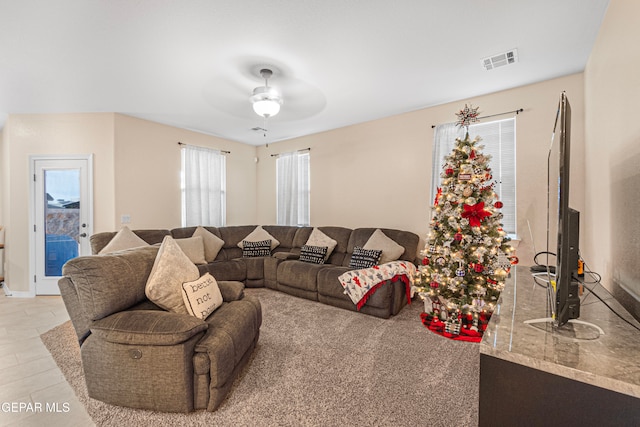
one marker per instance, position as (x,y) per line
(467,256)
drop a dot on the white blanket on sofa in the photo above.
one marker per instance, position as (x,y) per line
(361,284)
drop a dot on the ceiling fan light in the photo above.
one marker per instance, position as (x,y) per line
(266,101)
(266,107)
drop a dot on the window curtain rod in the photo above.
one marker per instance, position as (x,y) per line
(518,111)
(209,148)
(297,151)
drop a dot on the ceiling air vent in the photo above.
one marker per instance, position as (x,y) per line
(501,59)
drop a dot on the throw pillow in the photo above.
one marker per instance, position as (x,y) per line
(256,249)
(313,254)
(318,238)
(170,270)
(364,258)
(193,247)
(124,239)
(257,235)
(202,296)
(212,243)
(391,251)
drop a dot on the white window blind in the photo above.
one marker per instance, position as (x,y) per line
(203,187)
(293,188)
(499,140)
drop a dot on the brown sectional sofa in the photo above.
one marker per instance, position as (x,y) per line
(138,355)
(284,272)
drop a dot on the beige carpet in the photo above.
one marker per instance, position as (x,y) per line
(317,365)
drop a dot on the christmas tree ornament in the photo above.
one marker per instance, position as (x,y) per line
(498,204)
(438,195)
(466,171)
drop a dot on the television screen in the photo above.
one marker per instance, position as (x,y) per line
(567,301)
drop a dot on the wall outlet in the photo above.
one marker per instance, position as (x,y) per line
(125,219)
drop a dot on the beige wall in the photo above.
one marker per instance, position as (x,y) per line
(612,90)
(147,177)
(378,173)
(136,172)
(372,174)
(51,134)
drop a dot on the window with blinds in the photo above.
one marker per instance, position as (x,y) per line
(499,140)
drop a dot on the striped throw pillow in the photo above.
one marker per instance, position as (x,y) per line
(313,254)
(256,249)
(364,258)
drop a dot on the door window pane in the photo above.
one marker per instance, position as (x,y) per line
(62,218)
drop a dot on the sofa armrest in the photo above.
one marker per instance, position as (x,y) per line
(230,290)
(285,256)
(148,327)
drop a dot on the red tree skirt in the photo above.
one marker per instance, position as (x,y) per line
(437,326)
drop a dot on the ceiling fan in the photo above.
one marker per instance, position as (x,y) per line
(265,99)
(233,91)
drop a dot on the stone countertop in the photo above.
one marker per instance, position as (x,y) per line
(575,351)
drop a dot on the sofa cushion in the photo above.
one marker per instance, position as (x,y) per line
(313,254)
(285,234)
(364,258)
(202,296)
(257,235)
(170,270)
(124,239)
(298,274)
(255,267)
(341,235)
(318,238)
(100,240)
(110,283)
(212,243)
(235,269)
(391,251)
(147,327)
(193,247)
(406,239)
(256,249)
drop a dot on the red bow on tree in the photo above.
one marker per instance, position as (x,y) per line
(475,213)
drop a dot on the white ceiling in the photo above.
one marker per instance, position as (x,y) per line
(193,63)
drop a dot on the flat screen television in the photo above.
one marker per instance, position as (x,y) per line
(567,298)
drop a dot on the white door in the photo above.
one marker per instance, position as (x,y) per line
(62,220)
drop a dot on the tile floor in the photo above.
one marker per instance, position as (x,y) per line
(29,378)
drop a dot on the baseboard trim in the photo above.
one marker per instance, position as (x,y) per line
(16,294)
(6,289)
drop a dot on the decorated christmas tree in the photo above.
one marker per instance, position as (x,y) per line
(467,256)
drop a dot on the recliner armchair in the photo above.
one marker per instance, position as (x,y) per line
(138,355)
